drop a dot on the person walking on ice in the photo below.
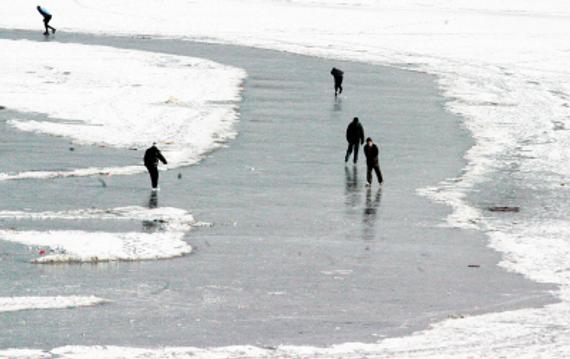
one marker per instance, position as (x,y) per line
(355,138)
(338,76)
(151,157)
(372,163)
(47,17)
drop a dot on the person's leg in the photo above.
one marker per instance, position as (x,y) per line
(153,172)
(348,152)
(46,26)
(340,86)
(356,146)
(368,174)
(378,173)
(155,177)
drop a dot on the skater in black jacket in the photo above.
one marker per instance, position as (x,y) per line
(151,158)
(372,163)
(355,138)
(338,76)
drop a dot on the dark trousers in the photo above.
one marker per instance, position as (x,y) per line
(47,19)
(153,172)
(337,86)
(349,150)
(376,167)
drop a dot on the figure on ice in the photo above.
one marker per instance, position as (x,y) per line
(355,138)
(47,18)
(151,157)
(372,163)
(338,76)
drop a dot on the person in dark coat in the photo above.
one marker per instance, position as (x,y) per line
(355,138)
(47,18)
(372,163)
(338,76)
(151,157)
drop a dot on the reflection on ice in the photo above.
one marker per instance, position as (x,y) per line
(370,213)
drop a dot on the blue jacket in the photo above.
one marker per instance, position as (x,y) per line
(43,11)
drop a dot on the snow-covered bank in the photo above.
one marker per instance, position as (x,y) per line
(11,304)
(120,98)
(503,66)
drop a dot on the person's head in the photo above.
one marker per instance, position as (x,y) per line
(355,119)
(369,141)
(154,144)
(38,7)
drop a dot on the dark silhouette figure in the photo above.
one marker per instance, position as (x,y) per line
(338,77)
(372,163)
(151,158)
(355,138)
(47,18)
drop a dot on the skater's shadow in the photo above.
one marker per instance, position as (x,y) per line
(153,200)
(371,213)
(152,225)
(352,189)
(337,105)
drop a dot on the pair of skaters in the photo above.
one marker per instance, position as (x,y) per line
(355,138)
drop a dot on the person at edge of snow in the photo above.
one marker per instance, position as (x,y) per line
(151,157)
(47,18)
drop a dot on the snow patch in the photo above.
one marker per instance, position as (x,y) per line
(12,304)
(167,218)
(81,246)
(98,95)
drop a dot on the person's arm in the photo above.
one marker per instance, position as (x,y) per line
(361,135)
(348,133)
(161,157)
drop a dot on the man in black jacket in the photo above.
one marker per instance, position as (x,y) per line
(354,136)
(371,152)
(338,76)
(151,158)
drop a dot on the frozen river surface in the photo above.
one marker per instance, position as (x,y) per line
(299,251)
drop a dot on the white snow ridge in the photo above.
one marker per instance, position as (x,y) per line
(11,304)
(167,218)
(171,224)
(80,246)
(99,95)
